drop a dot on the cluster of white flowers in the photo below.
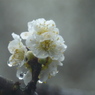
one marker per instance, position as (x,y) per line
(43,42)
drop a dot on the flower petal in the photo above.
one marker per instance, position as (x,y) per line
(25,35)
(44,76)
(15,36)
(28,77)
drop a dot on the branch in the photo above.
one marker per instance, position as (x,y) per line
(8,87)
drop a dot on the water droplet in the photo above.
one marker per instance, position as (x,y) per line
(40,81)
(21,75)
(9,64)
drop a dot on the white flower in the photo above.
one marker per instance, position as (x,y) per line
(47,45)
(50,71)
(17,49)
(39,27)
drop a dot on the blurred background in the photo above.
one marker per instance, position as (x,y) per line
(76,22)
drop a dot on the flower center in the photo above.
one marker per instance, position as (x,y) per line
(47,45)
(42,30)
(18,54)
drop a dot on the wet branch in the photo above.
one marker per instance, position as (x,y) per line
(8,87)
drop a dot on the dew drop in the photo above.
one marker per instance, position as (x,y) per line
(21,75)
(40,81)
(9,64)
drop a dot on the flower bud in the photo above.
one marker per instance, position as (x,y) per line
(42,61)
(29,56)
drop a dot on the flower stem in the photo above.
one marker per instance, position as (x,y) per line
(36,68)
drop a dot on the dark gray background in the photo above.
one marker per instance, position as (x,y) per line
(76,22)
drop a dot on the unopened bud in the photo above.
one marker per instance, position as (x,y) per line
(42,61)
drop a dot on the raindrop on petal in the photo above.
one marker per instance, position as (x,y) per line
(40,81)
(21,72)
(9,64)
(21,75)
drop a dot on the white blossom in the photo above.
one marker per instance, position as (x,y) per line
(44,43)
(47,45)
(17,49)
(49,72)
(39,27)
